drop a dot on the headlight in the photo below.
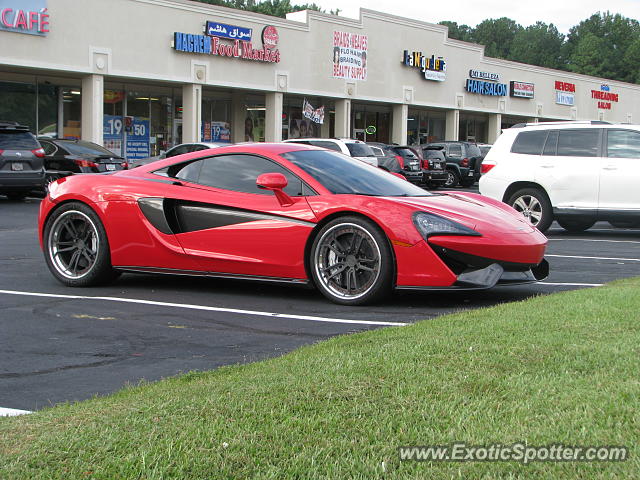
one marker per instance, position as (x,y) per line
(429,224)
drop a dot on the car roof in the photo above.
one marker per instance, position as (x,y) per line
(562,125)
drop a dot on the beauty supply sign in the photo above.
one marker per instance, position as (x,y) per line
(24,16)
(350,55)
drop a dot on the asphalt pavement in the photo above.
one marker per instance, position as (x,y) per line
(59,344)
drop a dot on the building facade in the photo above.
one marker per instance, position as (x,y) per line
(139,76)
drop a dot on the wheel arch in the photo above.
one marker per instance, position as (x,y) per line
(58,206)
(345,213)
(514,187)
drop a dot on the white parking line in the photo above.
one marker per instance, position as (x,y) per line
(207,308)
(12,412)
(571,284)
(590,240)
(596,258)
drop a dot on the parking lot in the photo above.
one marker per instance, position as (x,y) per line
(59,344)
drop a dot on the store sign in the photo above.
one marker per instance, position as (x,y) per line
(24,16)
(604,97)
(350,55)
(492,77)
(565,93)
(138,145)
(432,68)
(486,88)
(222,30)
(522,89)
(216,45)
(216,132)
(316,115)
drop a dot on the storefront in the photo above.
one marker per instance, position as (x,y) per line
(205,73)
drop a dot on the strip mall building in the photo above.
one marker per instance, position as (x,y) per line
(140,76)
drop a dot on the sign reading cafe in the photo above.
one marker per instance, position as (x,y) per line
(230,41)
(24,16)
(433,68)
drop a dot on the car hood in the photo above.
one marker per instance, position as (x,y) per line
(470,210)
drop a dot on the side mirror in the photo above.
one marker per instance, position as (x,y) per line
(276,182)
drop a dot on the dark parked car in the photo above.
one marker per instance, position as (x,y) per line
(397,159)
(463,161)
(434,166)
(66,157)
(21,161)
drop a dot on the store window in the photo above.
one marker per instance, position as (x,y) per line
(371,123)
(297,125)
(254,120)
(216,119)
(473,128)
(425,127)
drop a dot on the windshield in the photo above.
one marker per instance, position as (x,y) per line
(360,150)
(344,175)
(87,148)
(405,152)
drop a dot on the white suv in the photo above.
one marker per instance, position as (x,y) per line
(352,148)
(572,172)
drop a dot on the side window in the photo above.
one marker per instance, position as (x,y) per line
(329,145)
(455,150)
(529,143)
(189,172)
(579,143)
(49,148)
(552,142)
(239,173)
(623,144)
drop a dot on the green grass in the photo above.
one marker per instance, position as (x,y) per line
(555,369)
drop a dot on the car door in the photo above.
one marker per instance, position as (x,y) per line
(620,171)
(232,227)
(569,168)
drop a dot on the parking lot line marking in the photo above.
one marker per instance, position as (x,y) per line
(596,258)
(572,284)
(208,308)
(12,412)
(591,240)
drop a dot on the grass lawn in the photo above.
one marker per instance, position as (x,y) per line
(563,369)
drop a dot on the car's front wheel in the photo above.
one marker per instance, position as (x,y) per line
(351,261)
(76,248)
(534,205)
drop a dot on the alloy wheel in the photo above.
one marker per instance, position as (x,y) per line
(530,207)
(73,244)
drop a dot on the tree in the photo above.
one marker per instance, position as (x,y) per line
(538,44)
(497,36)
(459,32)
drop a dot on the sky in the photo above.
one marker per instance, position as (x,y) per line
(563,14)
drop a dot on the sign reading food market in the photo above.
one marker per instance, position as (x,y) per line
(433,68)
(350,55)
(522,89)
(493,77)
(24,16)
(565,93)
(604,97)
(230,41)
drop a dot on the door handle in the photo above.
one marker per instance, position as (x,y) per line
(547,166)
(610,167)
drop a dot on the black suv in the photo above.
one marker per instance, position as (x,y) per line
(463,161)
(399,159)
(21,161)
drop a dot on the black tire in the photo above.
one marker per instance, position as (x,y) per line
(576,225)
(534,205)
(15,196)
(624,224)
(453,178)
(76,247)
(348,251)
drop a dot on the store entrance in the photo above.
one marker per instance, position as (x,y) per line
(371,124)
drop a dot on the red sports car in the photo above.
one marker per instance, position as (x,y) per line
(288,213)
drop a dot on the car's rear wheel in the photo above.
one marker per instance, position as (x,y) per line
(534,205)
(351,261)
(76,248)
(467,182)
(576,225)
(452,179)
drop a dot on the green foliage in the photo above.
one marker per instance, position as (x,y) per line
(604,45)
(275,8)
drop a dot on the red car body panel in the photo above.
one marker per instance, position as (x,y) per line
(272,242)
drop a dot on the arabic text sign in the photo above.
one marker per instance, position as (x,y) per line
(222,30)
(350,55)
